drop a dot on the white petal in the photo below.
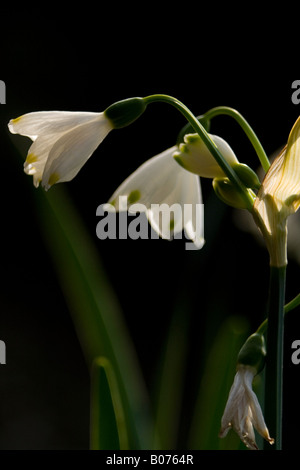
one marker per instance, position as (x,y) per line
(153,179)
(257,415)
(194,211)
(72,150)
(50,122)
(232,404)
(37,157)
(163,187)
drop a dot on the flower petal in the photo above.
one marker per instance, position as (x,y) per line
(279,197)
(257,415)
(148,179)
(282,182)
(163,188)
(73,149)
(232,404)
(49,122)
(37,157)
(243,412)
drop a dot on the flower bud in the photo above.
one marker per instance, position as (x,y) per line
(253,352)
(125,112)
(228,193)
(247,176)
(194,156)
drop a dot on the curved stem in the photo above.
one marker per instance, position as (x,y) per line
(246,128)
(262,327)
(292,304)
(197,126)
(287,308)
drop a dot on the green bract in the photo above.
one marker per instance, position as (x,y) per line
(253,352)
(229,193)
(247,176)
(123,113)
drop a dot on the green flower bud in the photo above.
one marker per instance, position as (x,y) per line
(253,352)
(125,112)
(247,176)
(228,193)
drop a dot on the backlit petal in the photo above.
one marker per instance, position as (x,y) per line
(49,122)
(163,188)
(72,150)
(280,189)
(243,412)
(279,197)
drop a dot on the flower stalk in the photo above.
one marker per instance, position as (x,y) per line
(277,199)
(274,360)
(245,194)
(225,110)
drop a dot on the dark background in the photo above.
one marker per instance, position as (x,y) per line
(85,60)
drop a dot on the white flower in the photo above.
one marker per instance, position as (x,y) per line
(162,188)
(243,412)
(194,156)
(62,142)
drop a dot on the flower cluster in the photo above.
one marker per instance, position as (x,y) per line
(64,141)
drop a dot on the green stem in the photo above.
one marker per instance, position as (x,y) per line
(274,361)
(197,126)
(292,304)
(246,128)
(262,327)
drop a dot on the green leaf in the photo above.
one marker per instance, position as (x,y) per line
(170,383)
(108,423)
(95,311)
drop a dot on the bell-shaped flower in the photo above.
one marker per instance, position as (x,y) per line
(169,195)
(243,412)
(62,142)
(194,156)
(279,197)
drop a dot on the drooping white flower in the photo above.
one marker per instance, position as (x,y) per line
(161,188)
(243,412)
(62,142)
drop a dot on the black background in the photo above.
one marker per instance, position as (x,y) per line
(86,59)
